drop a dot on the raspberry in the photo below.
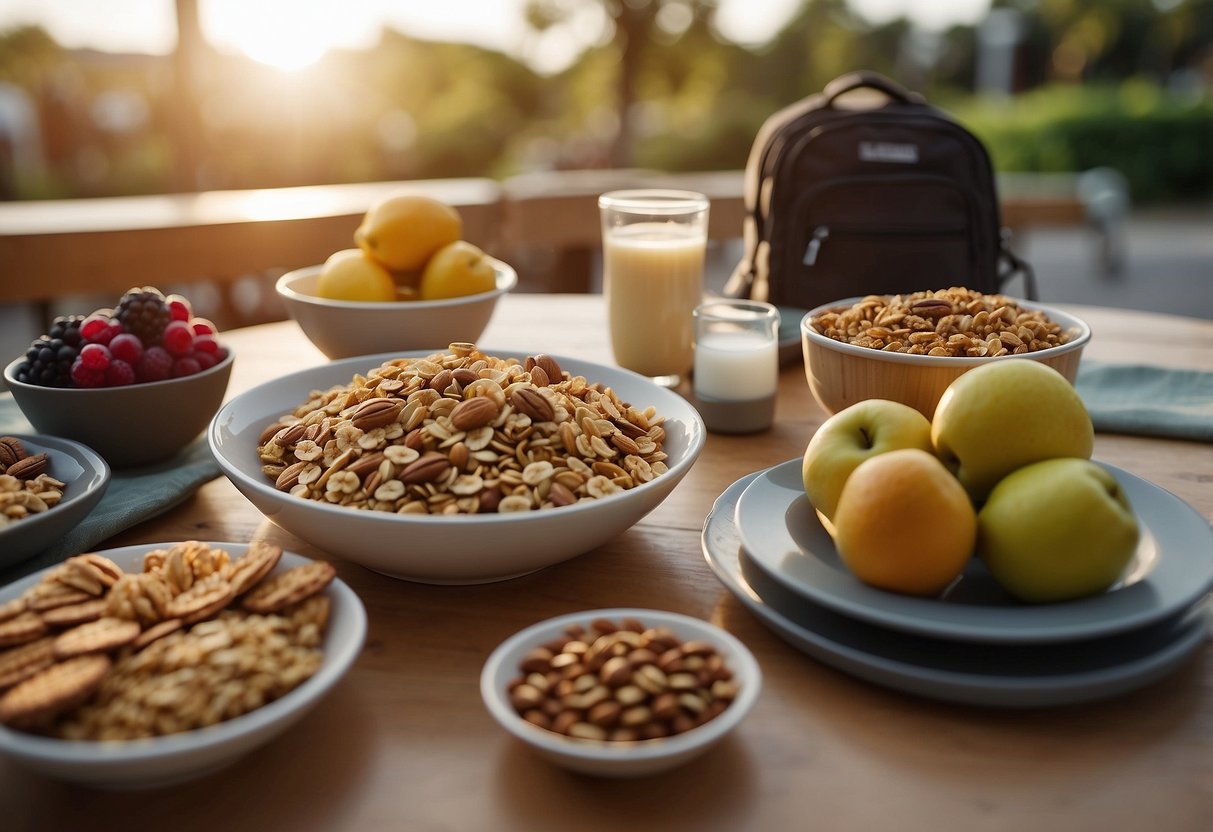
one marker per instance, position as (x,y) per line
(205,360)
(145,313)
(186,366)
(99,328)
(95,356)
(155,365)
(119,373)
(86,376)
(206,344)
(202,326)
(127,347)
(178,339)
(179,308)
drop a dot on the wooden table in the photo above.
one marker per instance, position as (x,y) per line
(405,743)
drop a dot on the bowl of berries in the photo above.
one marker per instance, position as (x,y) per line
(136,383)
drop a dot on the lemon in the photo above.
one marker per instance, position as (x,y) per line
(455,270)
(402,232)
(350,275)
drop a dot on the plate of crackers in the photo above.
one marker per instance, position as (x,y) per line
(150,665)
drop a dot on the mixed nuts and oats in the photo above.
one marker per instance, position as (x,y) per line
(26,486)
(946,322)
(463,432)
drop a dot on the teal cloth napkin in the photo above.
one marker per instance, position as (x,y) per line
(133,495)
(1148,401)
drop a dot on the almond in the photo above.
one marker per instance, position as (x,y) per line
(375,413)
(474,413)
(29,467)
(464,376)
(539,377)
(432,466)
(547,364)
(363,466)
(533,404)
(441,381)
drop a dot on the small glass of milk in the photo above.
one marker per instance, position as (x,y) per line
(653,243)
(736,366)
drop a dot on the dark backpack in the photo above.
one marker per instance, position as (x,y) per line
(892,198)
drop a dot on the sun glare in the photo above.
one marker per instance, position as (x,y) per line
(280,33)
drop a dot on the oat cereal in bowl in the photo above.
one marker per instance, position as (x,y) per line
(152,664)
(457,465)
(909,348)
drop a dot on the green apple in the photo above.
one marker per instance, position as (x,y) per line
(863,430)
(1004,415)
(1057,530)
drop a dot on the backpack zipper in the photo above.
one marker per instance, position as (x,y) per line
(822,233)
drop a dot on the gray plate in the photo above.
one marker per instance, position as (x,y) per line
(1171,570)
(999,675)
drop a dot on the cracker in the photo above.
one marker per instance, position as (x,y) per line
(202,600)
(258,561)
(289,587)
(100,636)
(109,571)
(57,688)
(47,596)
(72,614)
(155,632)
(21,628)
(19,663)
(12,607)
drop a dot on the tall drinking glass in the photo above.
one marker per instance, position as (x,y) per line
(653,245)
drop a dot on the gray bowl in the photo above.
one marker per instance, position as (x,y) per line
(84,475)
(134,425)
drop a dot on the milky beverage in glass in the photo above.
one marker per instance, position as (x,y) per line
(653,251)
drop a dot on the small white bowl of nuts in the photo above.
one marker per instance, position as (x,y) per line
(620,692)
(909,348)
(47,486)
(150,665)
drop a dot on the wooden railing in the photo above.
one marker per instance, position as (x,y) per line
(60,248)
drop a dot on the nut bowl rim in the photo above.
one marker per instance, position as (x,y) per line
(27,537)
(1079,329)
(619,759)
(223,436)
(175,758)
(506,276)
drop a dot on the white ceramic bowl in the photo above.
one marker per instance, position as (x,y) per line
(619,759)
(161,761)
(132,425)
(841,374)
(346,328)
(462,549)
(84,475)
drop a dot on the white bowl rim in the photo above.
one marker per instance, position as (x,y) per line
(696,433)
(10,376)
(740,660)
(94,752)
(1070,322)
(507,279)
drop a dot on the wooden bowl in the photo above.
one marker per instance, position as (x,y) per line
(842,374)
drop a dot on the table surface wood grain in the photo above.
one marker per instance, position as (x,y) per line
(404,741)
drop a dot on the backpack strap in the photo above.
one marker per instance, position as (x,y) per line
(865,79)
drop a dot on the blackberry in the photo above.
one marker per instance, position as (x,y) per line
(144,313)
(48,361)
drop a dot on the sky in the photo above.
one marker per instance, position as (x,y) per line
(260,28)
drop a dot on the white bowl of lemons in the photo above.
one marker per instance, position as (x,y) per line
(410,282)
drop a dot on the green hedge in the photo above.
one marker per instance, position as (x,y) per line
(1162,143)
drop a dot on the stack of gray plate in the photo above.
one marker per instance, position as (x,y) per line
(975,644)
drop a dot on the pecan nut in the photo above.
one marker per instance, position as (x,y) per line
(931,308)
(376,413)
(29,467)
(474,413)
(430,467)
(11,450)
(533,404)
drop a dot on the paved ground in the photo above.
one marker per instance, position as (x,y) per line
(1167,266)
